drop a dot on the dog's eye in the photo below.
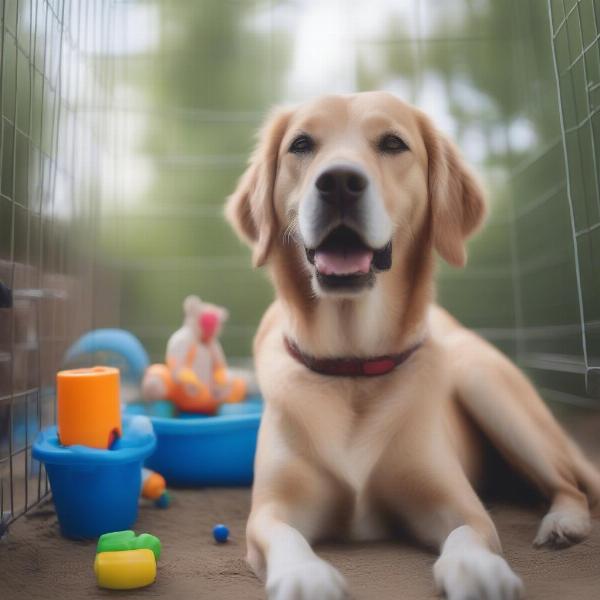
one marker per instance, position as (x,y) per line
(302,144)
(391,144)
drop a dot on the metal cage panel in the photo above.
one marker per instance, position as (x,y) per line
(55,63)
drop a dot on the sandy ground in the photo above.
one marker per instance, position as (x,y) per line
(36,562)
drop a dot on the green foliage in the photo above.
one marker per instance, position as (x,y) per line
(489,66)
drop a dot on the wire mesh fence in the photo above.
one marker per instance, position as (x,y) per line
(486,74)
(576,52)
(54,61)
(125,125)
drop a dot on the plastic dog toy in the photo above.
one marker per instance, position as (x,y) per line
(88,408)
(153,484)
(118,541)
(220,533)
(164,501)
(195,377)
(125,570)
(96,490)
(125,561)
(154,487)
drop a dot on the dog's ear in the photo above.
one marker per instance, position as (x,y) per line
(456,197)
(250,208)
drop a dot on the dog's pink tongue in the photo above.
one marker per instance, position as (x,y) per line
(343,263)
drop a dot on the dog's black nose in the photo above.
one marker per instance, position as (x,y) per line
(339,185)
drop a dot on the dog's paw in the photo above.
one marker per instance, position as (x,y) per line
(311,580)
(563,528)
(467,571)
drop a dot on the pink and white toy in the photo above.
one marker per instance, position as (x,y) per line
(195,376)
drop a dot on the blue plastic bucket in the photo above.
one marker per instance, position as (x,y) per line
(204,451)
(95,491)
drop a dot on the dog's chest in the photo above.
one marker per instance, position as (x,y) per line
(355,462)
(355,444)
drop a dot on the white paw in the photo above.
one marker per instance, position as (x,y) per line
(563,528)
(311,580)
(468,571)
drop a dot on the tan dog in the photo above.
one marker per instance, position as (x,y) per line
(346,199)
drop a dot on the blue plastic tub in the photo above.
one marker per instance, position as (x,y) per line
(95,491)
(203,451)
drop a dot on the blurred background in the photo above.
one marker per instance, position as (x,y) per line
(125,125)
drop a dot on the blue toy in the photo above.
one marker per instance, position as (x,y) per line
(96,491)
(205,451)
(164,501)
(114,347)
(218,450)
(158,408)
(220,533)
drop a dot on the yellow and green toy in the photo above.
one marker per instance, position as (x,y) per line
(125,561)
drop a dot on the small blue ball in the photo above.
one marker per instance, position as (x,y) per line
(220,533)
(164,501)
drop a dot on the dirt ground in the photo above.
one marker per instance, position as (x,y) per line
(36,562)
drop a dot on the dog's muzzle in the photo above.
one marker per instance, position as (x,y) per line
(339,229)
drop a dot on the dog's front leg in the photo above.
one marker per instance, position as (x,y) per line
(293,570)
(470,565)
(468,569)
(439,505)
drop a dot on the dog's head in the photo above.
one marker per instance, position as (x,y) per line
(351,181)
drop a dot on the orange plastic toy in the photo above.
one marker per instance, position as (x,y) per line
(153,484)
(195,376)
(88,407)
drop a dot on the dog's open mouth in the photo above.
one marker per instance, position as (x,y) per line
(344,260)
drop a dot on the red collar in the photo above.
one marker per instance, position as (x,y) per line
(351,367)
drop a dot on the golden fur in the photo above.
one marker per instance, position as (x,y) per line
(349,456)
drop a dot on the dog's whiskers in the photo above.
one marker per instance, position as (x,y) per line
(290,235)
(404,224)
